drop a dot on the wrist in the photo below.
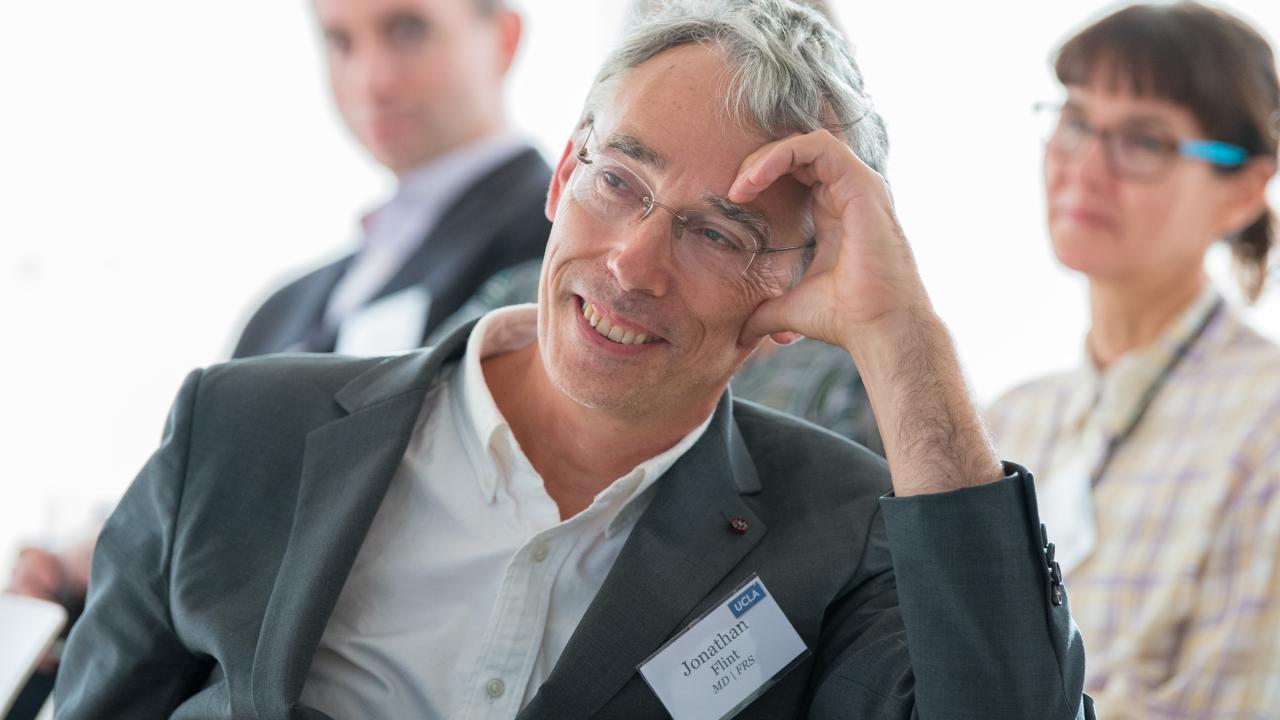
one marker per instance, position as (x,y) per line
(885,342)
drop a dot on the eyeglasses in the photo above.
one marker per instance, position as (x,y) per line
(1136,150)
(708,242)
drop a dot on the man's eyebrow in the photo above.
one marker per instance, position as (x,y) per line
(634,148)
(754,222)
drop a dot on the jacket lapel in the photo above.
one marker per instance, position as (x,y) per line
(679,551)
(347,467)
(459,253)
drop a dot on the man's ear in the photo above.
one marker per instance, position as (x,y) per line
(785,338)
(564,168)
(1247,198)
(509,30)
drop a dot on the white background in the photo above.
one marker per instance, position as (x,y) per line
(165,163)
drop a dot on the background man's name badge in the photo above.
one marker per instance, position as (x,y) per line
(726,658)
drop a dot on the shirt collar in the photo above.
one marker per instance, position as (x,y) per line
(500,331)
(458,168)
(429,189)
(511,328)
(1116,391)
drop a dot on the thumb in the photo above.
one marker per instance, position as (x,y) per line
(771,316)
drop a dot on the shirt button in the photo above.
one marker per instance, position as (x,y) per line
(494,688)
(540,553)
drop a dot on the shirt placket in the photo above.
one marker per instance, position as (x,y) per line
(513,638)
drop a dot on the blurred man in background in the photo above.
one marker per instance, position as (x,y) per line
(419,83)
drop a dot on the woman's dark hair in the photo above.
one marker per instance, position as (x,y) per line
(1206,60)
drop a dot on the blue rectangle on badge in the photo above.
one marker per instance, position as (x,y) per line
(746,599)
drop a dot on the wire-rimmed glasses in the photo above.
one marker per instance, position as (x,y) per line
(1135,150)
(710,241)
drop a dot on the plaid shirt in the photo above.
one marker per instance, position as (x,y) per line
(1179,602)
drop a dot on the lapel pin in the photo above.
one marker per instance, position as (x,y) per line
(738,525)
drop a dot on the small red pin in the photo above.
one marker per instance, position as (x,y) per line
(739,525)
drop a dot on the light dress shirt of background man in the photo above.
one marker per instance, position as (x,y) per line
(419,85)
(223,584)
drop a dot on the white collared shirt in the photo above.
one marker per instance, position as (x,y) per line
(468,585)
(392,232)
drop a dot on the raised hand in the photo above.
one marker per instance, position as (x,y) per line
(863,273)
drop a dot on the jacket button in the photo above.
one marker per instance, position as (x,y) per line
(1048,555)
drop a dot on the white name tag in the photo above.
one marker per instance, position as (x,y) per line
(727,658)
(392,324)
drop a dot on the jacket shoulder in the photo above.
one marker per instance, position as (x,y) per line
(277,389)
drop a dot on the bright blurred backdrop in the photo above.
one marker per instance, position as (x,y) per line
(164,164)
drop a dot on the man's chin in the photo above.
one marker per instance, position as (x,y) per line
(602,394)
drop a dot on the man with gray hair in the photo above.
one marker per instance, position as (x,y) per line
(560,512)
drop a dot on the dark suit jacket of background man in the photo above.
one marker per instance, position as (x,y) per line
(216,575)
(498,222)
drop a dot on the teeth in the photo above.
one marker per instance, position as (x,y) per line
(616,333)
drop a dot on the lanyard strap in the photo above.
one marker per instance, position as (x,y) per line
(1115,442)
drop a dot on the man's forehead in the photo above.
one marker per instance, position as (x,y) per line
(675,100)
(337,11)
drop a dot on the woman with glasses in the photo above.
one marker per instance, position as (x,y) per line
(1158,458)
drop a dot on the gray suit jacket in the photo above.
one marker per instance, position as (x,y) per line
(215,577)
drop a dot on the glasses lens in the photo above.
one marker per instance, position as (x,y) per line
(715,245)
(1141,152)
(704,243)
(609,191)
(1061,128)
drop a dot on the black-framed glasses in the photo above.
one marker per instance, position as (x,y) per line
(1137,150)
(615,195)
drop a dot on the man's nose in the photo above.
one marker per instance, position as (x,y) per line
(642,257)
(373,70)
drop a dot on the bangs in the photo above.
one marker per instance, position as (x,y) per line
(1135,51)
(1193,56)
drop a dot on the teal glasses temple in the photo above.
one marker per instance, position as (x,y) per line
(1211,151)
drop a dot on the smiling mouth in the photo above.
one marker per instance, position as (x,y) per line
(614,333)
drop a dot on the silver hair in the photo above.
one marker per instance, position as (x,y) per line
(790,70)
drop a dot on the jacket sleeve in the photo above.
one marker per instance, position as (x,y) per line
(123,659)
(963,616)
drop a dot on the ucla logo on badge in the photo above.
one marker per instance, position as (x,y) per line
(746,599)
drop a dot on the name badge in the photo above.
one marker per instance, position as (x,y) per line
(726,658)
